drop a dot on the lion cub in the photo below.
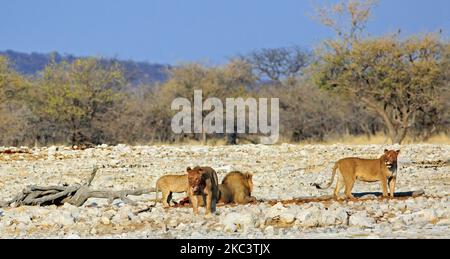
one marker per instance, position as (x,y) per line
(203,184)
(351,169)
(169,184)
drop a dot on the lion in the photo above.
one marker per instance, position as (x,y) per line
(383,169)
(169,184)
(237,187)
(203,183)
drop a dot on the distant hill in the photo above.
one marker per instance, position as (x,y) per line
(136,72)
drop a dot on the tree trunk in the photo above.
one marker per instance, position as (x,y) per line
(76,194)
(204,137)
(397,133)
(232,138)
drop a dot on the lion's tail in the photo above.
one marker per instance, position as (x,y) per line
(156,194)
(332,179)
(218,190)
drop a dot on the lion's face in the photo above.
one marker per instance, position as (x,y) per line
(249,178)
(195,179)
(390,158)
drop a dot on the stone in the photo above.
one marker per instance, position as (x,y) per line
(105,221)
(62,218)
(93,231)
(124,214)
(333,217)
(51,152)
(406,219)
(22,218)
(361,219)
(369,196)
(269,230)
(287,217)
(173,222)
(238,221)
(440,213)
(425,216)
(444,222)
(309,218)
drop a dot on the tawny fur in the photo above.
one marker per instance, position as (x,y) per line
(169,184)
(366,170)
(237,187)
(203,184)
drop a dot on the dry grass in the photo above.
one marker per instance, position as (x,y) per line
(378,139)
(439,139)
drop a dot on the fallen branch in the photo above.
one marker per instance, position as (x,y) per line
(76,194)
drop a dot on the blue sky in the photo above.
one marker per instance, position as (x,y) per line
(172,31)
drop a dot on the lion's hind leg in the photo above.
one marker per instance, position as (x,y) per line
(349,183)
(169,198)
(339,185)
(165,199)
(243,199)
(384,186)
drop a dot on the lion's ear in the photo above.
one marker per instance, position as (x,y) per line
(398,152)
(188,169)
(385,151)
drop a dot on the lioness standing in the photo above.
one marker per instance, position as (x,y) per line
(203,183)
(169,184)
(383,169)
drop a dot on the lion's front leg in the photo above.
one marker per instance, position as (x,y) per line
(384,186)
(249,199)
(391,184)
(208,203)
(213,204)
(194,202)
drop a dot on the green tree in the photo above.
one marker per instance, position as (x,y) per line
(78,96)
(392,77)
(14,113)
(12,85)
(227,81)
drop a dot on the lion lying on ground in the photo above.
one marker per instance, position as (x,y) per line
(236,187)
(351,169)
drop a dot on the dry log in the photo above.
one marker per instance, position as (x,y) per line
(76,195)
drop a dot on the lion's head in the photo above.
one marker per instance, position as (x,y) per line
(390,159)
(249,181)
(196,180)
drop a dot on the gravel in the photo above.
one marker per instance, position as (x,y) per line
(281,172)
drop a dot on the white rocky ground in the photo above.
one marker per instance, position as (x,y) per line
(281,172)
